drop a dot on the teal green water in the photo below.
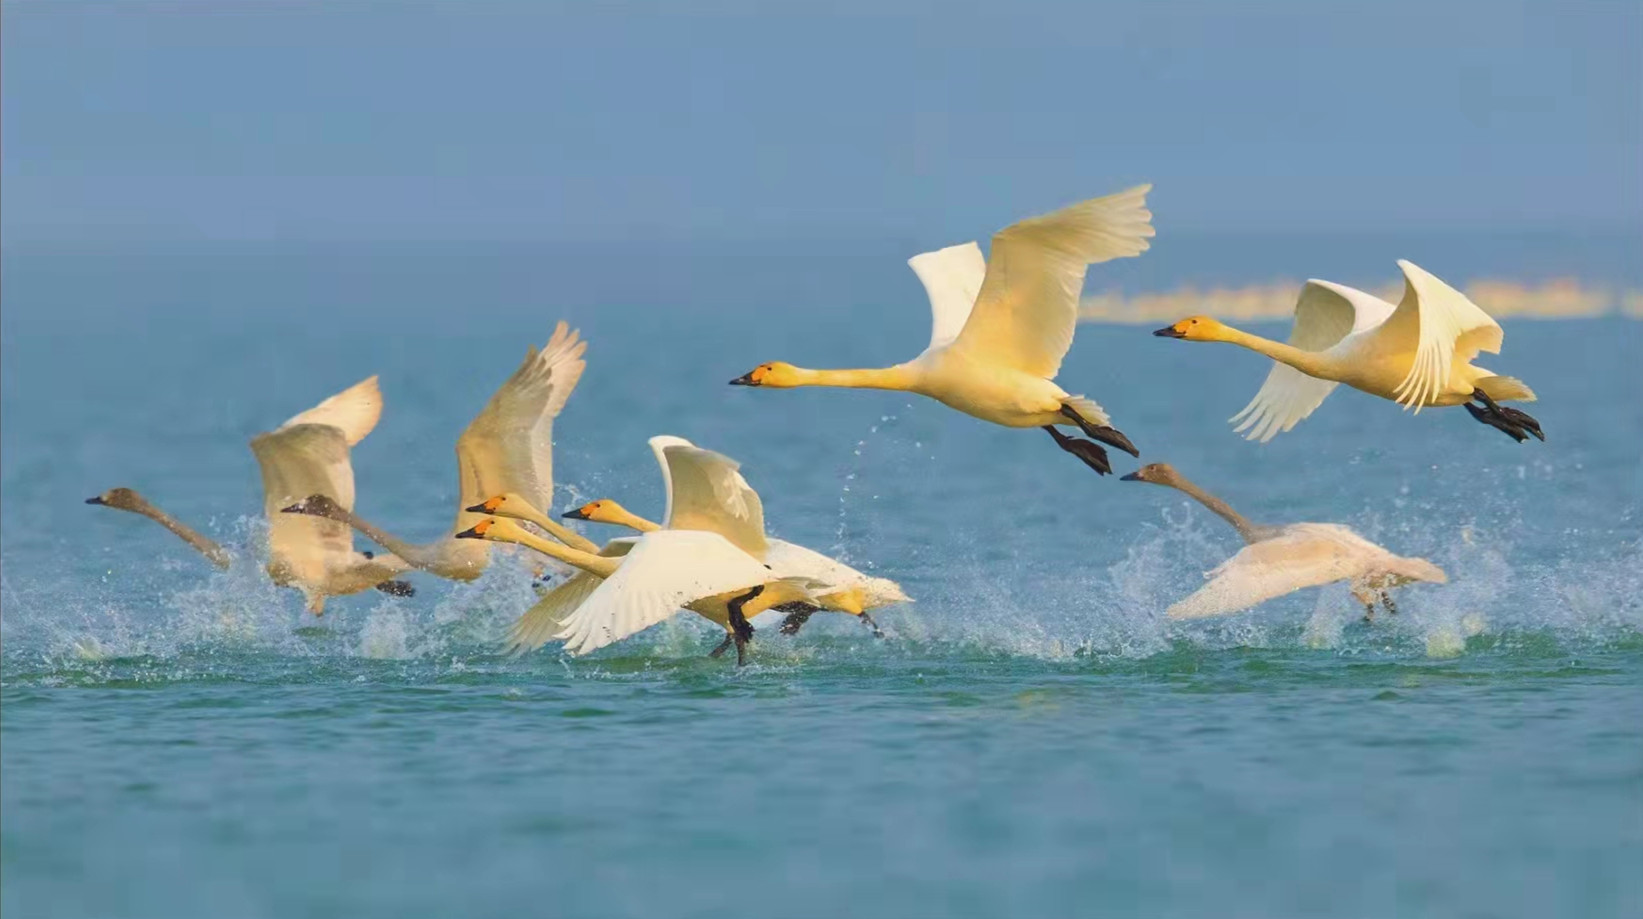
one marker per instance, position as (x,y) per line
(1032,739)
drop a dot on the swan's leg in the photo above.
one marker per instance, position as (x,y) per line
(723,645)
(741,629)
(1516,424)
(797,615)
(1360,592)
(1386,601)
(868,621)
(1112,437)
(1088,451)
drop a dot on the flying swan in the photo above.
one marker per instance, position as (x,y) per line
(997,361)
(1418,353)
(1277,560)
(508,447)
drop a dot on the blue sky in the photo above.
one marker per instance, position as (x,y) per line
(475,119)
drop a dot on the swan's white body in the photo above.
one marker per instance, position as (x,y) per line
(1001,326)
(507,448)
(1417,353)
(308,455)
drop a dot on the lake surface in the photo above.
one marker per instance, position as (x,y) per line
(1032,738)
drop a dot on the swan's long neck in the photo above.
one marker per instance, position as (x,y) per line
(206,547)
(559,531)
(424,557)
(591,562)
(623,517)
(1249,531)
(898,377)
(1310,363)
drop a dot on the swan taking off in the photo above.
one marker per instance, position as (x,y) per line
(1417,353)
(127,499)
(508,447)
(628,592)
(706,491)
(1001,327)
(1278,560)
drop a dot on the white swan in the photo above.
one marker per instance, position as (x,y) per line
(628,592)
(1417,353)
(706,491)
(997,361)
(308,455)
(507,448)
(127,499)
(1282,559)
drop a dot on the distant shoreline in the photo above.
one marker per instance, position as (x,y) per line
(1563,298)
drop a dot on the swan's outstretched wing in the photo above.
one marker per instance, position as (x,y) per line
(1325,313)
(299,460)
(1028,304)
(1442,326)
(541,622)
(354,411)
(665,570)
(705,491)
(508,447)
(1304,555)
(952,277)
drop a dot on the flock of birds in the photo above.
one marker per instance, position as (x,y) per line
(1002,325)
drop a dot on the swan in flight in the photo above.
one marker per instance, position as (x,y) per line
(706,491)
(306,455)
(1418,353)
(651,578)
(1277,560)
(508,447)
(127,499)
(1002,326)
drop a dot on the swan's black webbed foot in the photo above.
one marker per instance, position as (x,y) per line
(1386,601)
(1518,425)
(723,647)
(1110,436)
(397,589)
(1086,450)
(740,629)
(868,621)
(797,615)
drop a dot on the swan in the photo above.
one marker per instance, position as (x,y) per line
(1418,353)
(305,455)
(1277,560)
(508,447)
(706,491)
(127,499)
(648,580)
(1002,326)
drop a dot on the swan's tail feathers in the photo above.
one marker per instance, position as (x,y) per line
(1419,569)
(1505,389)
(1088,409)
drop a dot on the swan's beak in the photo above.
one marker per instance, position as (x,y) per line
(575,515)
(96,500)
(1170,331)
(745,379)
(297,508)
(1134,476)
(480,508)
(472,532)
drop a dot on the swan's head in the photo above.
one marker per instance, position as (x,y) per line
(603,510)
(775,375)
(1194,328)
(124,499)
(1156,473)
(317,506)
(495,529)
(507,504)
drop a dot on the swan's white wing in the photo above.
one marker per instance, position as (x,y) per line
(548,617)
(790,560)
(1442,325)
(1028,305)
(1305,555)
(354,411)
(508,447)
(299,460)
(705,491)
(1325,313)
(952,277)
(666,570)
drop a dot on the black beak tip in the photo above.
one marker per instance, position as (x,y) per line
(476,509)
(573,515)
(293,509)
(96,500)
(745,379)
(1130,477)
(1167,332)
(469,533)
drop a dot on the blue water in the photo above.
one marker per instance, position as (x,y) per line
(1033,739)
